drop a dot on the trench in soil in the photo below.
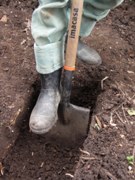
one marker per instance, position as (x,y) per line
(32,157)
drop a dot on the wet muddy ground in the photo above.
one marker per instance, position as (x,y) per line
(108,90)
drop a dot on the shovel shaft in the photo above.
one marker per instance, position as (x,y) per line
(66,86)
(73,34)
(72,44)
(71,49)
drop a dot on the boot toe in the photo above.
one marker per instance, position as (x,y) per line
(88,55)
(41,124)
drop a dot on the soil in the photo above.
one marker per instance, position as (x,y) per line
(108,90)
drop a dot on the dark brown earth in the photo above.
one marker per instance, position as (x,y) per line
(109,90)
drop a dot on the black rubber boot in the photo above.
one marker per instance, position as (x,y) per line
(44,114)
(88,55)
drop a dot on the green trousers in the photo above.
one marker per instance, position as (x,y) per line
(49,26)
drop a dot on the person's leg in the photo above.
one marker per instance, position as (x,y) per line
(95,10)
(49,24)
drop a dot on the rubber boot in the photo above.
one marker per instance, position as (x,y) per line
(44,114)
(88,55)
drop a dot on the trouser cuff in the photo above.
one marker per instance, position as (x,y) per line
(50,57)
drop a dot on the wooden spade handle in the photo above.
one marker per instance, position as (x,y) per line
(73,34)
